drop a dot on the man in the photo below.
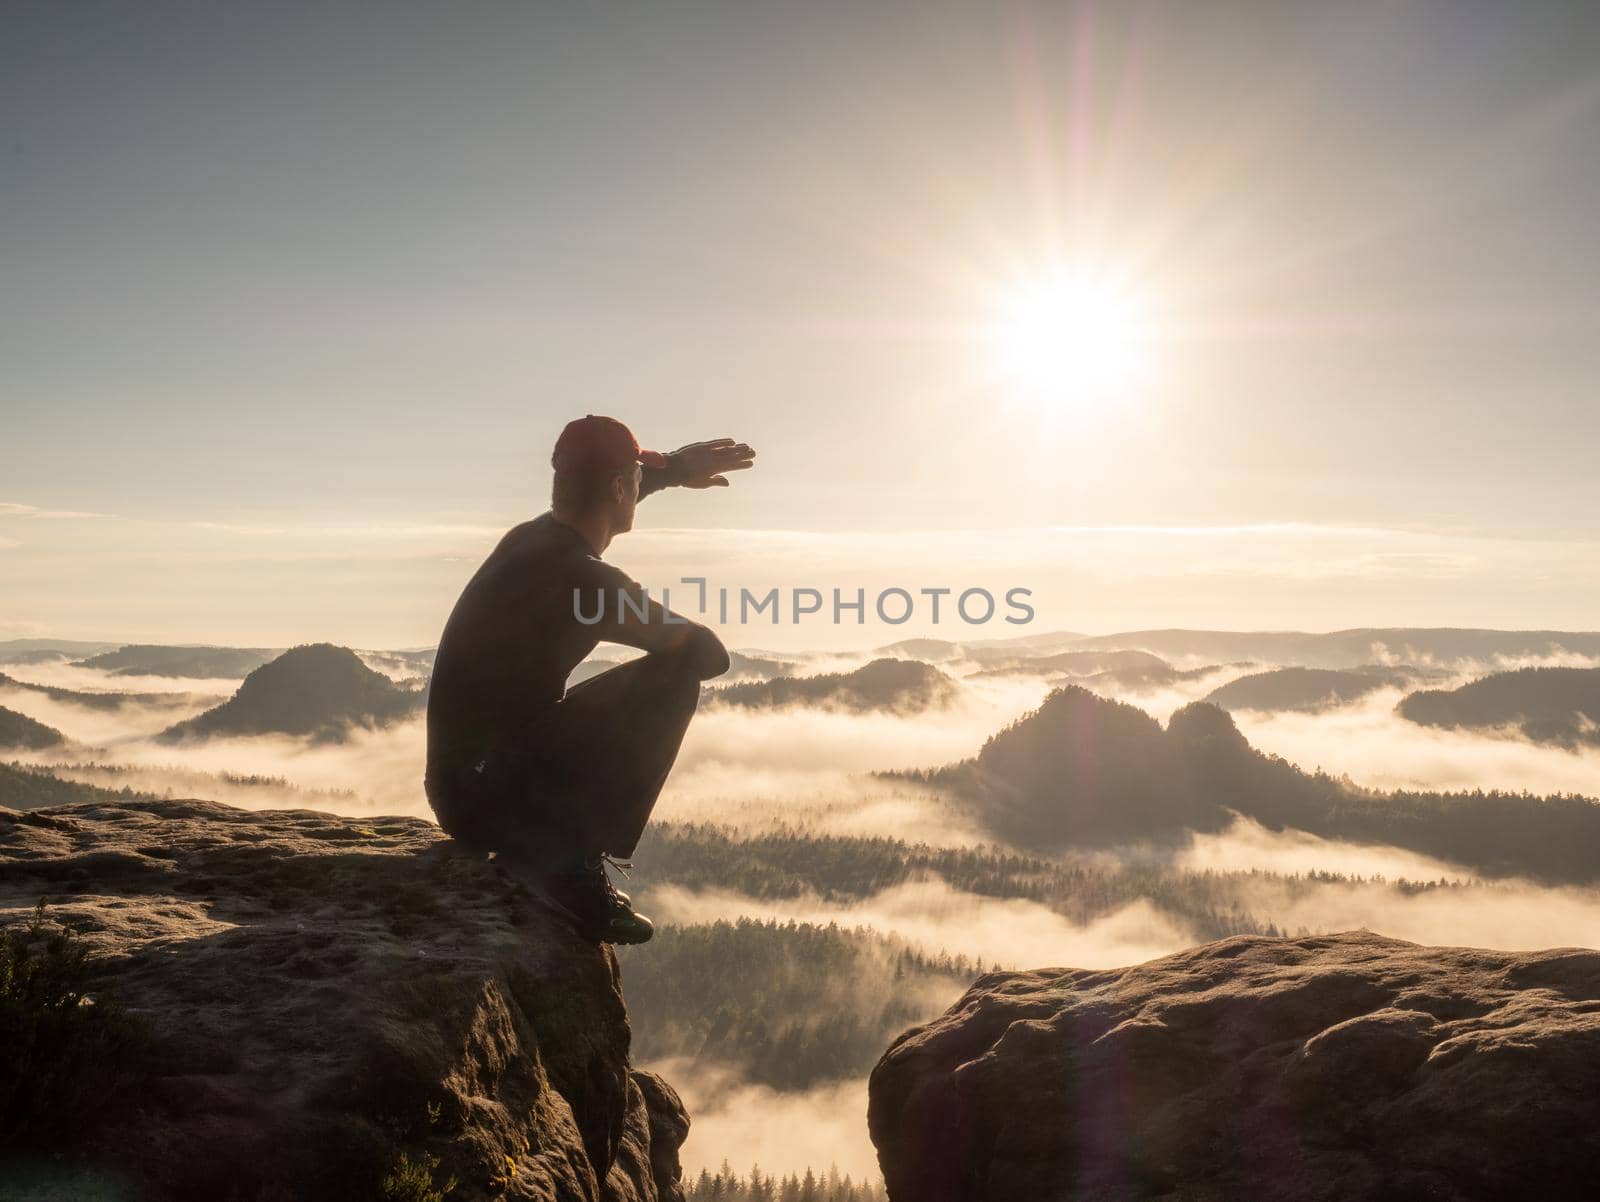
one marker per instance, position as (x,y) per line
(558,781)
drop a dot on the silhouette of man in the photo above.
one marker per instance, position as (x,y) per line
(556,781)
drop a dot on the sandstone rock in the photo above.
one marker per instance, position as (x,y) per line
(1350,1067)
(330,994)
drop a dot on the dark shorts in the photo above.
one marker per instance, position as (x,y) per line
(587,775)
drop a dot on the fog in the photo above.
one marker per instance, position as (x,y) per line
(372,772)
(755,769)
(1162,701)
(246,790)
(782,1132)
(104,727)
(96,680)
(751,800)
(934,917)
(1466,668)
(1512,916)
(812,768)
(1246,846)
(1376,747)
(803,736)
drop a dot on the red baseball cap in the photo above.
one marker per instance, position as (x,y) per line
(600,442)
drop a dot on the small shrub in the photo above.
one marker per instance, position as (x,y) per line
(64,1046)
(412,1181)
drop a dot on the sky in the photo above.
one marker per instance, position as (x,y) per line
(297,297)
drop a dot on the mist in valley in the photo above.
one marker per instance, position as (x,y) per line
(817,781)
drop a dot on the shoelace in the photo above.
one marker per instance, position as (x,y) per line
(599,865)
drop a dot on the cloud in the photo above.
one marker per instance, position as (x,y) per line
(1376,747)
(935,916)
(64,674)
(103,728)
(1512,915)
(783,1133)
(758,769)
(374,772)
(1246,846)
(12,509)
(1162,700)
(358,532)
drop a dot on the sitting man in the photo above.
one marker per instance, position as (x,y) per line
(559,781)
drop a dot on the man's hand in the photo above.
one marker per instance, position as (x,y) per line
(701,464)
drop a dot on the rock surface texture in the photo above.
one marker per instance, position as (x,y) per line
(332,1000)
(1349,1066)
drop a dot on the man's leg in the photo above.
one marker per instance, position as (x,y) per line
(584,783)
(610,745)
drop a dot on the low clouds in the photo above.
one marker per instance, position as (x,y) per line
(934,917)
(782,1132)
(813,769)
(15,509)
(1376,747)
(1246,846)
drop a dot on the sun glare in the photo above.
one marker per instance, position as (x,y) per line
(1072,339)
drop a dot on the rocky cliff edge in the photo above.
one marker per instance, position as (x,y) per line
(334,1007)
(1346,1067)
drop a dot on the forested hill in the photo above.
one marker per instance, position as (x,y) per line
(1546,705)
(319,690)
(1085,771)
(897,685)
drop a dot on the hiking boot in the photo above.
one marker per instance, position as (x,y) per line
(597,907)
(618,921)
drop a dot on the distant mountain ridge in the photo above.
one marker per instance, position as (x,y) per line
(1087,771)
(1545,705)
(1082,663)
(897,685)
(1355,647)
(99,701)
(982,650)
(318,690)
(9,648)
(200,663)
(1307,690)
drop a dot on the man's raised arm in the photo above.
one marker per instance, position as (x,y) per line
(697,465)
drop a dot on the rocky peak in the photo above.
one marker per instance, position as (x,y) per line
(319,690)
(330,1000)
(1345,1067)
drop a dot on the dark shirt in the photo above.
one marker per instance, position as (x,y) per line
(512,640)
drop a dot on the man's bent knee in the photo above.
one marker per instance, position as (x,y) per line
(705,654)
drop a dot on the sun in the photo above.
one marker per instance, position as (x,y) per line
(1073,338)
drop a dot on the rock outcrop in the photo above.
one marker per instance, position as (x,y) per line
(1350,1067)
(335,1003)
